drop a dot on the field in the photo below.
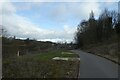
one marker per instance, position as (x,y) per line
(41,66)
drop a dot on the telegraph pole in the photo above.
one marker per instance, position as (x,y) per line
(118,31)
(118,38)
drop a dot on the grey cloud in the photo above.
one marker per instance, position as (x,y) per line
(21,27)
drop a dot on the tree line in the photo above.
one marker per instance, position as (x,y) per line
(93,31)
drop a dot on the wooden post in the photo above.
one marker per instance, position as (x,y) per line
(18,53)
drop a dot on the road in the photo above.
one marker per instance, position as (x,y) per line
(92,66)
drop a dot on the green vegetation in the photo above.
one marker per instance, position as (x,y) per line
(52,54)
(36,59)
(49,55)
(41,66)
(100,36)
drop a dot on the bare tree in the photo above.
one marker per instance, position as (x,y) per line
(3,31)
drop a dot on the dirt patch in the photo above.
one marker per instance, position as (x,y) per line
(66,59)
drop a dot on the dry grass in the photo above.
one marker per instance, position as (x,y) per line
(40,66)
(109,51)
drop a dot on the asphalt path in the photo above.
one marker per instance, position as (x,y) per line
(92,66)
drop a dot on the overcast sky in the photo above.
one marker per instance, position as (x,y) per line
(48,21)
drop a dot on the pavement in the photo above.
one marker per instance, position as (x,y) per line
(93,66)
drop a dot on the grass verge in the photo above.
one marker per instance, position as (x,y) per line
(40,66)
